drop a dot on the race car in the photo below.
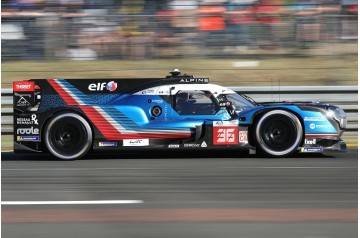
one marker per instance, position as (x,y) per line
(69,118)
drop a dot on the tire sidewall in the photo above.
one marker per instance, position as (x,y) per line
(88,136)
(274,153)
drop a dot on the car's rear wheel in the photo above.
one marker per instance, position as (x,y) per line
(68,136)
(278,133)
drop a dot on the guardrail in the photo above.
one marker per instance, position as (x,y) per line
(344,96)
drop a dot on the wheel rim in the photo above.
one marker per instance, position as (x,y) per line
(68,136)
(279,133)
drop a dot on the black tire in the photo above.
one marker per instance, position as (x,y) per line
(278,133)
(68,136)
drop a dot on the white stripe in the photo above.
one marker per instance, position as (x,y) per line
(79,101)
(70,202)
(114,123)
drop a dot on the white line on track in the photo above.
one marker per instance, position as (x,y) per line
(100,202)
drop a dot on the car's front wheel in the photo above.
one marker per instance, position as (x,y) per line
(278,133)
(68,136)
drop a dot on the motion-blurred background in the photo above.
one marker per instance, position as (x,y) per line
(234,42)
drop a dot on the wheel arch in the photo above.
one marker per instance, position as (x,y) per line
(58,112)
(66,110)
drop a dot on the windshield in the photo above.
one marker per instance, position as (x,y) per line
(238,101)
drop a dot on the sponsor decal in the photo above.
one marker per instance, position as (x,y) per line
(224,104)
(225,135)
(243,136)
(234,122)
(323,126)
(155,101)
(174,146)
(310,141)
(149,91)
(22,102)
(165,112)
(27,121)
(203,144)
(107,144)
(160,92)
(191,145)
(27,131)
(314,119)
(312,149)
(225,123)
(195,80)
(26,86)
(136,142)
(28,138)
(110,86)
(313,126)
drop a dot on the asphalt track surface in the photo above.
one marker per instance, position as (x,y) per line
(214,195)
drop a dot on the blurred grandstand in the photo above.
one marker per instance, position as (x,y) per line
(142,29)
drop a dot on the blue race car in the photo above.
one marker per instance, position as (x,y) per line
(69,118)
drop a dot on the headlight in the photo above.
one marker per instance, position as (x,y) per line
(339,115)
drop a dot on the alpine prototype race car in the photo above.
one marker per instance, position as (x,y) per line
(69,118)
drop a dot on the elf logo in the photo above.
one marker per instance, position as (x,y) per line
(110,86)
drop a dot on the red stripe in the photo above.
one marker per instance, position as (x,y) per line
(156,136)
(63,94)
(101,123)
(332,136)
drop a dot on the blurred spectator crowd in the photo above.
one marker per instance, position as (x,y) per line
(138,29)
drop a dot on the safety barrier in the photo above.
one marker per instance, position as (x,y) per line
(344,96)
